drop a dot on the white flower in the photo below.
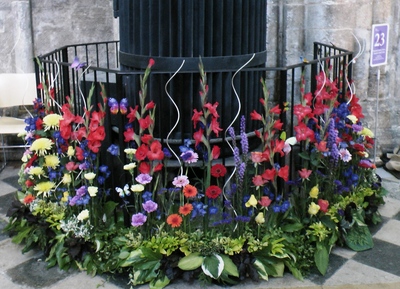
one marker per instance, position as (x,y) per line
(83,215)
(89,176)
(129,166)
(92,191)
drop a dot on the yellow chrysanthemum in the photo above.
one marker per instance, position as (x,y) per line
(44,188)
(41,145)
(51,161)
(352,118)
(36,171)
(66,179)
(51,121)
(129,166)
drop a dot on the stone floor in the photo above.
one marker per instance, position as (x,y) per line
(376,268)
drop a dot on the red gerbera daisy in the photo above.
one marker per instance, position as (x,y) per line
(174,220)
(213,192)
(189,191)
(218,170)
(186,209)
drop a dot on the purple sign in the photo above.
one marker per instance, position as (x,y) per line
(379,44)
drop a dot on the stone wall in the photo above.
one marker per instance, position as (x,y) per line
(33,27)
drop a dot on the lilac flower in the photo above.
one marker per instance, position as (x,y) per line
(236,156)
(335,153)
(244,142)
(150,206)
(332,133)
(180,181)
(345,155)
(143,179)
(138,219)
(113,149)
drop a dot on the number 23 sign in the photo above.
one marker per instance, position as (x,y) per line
(379,44)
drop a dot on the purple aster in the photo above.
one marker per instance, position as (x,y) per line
(144,179)
(190,156)
(138,219)
(150,206)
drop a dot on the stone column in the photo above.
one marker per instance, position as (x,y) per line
(23,51)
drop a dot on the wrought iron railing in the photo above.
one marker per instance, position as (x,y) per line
(103,67)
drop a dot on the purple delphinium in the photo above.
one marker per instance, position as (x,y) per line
(332,133)
(138,219)
(150,206)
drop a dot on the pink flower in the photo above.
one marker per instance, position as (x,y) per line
(254,115)
(304,173)
(258,180)
(265,201)
(180,181)
(323,205)
(138,220)
(149,206)
(215,152)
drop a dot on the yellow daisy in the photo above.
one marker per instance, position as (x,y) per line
(41,145)
(51,121)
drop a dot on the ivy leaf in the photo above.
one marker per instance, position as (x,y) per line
(213,266)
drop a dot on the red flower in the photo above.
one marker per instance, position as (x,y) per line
(278,124)
(28,199)
(284,173)
(31,161)
(213,192)
(80,134)
(304,173)
(131,116)
(196,117)
(189,191)
(155,152)
(258,180)
(212,108)
(145,122)
(150,105)
(301,111)
(303,132)
(215,126)
(141,152)
(254,115)
(97,116)
(218,170)
(71,166)
(151,63)
(186,209)
(39,124)
(321,146)
(146,138)
(129,135)
(278,148)
(269,174)
(323,205)
(265,201)
(65,130)
(215,152)
(258,157)
(79,154)
(275,109)
(97,135)
(144,168)
(174,220)
(198,136)
(158,167)
(29,183)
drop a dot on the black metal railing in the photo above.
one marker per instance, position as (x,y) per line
(102,66)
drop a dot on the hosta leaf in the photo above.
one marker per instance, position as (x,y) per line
(159,283)
(261,270)
(213,266)
(229,267)
(191,262)
(359,238)
(321,257)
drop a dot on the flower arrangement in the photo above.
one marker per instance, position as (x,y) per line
(201,218)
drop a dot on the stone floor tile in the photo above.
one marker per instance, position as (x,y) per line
(390,208)
(384,256)
(343,252)
(390,232)
(34,273)
(6,283)
(6,189)
(355,272)
(82,280)
(11,255)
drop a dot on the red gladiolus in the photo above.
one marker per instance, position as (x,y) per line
(218,170)
(254,115)
(79,134)
(71,166)
(155,152)
(269,174)
(129,135)
(303,132)
(275,109)
(278,124)
(215,152)
(79,154)
(158,167)
(146,138)
(284,173)
(198,136)
(141,152)
(39,124)
(31,161)
(65,130)
(97,116)
(196,117)
(323,205)
(213,192)
(215,126)
(321,146)
(212,108)
(150,105)
(258,157)
(145,122)
(301,111)
(278,148)
(174,220)
(144,168)
(131,116)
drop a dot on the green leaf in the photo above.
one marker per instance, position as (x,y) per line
(134,257)
(321,257)
(109,207)
(304,155)
(283,135)
(327,221)
(262,272)
(229,267)
(159,283)
(292,227)
(123,255)
(358,238)
(191,262)
(295,272)
(213,266)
